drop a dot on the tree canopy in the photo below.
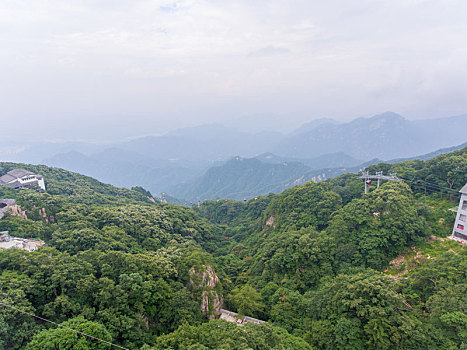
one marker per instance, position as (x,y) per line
(325,265)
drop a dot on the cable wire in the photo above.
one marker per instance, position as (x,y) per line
(59,325)
(430,185)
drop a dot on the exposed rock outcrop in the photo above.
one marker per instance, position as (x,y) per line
(9,206)
(15,210)
(42,213)
(204,278)
(270,221)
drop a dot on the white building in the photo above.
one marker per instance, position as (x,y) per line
(18,178)
(459,232)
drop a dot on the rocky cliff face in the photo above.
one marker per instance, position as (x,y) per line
(15,210)
(270,221)
(204,278)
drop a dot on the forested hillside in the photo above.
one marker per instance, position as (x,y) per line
(327,266)
(184,161)
(77,188)
(241,178)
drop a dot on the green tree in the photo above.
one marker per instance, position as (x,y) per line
(365,311)
(221,335)
(62,338)
(247,300)
(16,328)
(302,206)
(371,230)
(304,256)
(288,309)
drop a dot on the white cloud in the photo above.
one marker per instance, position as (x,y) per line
(203,58)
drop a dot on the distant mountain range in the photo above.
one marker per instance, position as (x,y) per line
(203,143)
(201,157)
(338,159)
(431,154)
(127,169)
(245,178)
(383,136)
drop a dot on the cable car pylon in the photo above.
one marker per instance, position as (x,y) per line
(378,176)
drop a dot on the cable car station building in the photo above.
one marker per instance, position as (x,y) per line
(459,232)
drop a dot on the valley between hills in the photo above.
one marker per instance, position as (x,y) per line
(325,265)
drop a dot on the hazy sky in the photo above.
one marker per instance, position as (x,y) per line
(123,68)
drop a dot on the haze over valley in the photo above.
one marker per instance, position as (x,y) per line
(200,162)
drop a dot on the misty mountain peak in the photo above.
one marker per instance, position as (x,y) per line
(314,124)
(386,120)
(388,117)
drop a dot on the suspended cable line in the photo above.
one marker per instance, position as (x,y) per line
(431,185)
(59,325)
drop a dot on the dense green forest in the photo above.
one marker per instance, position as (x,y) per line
(327,266)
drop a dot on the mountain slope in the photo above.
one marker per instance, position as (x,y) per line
(431,155)
(239,178)
(383,136)
(78,188)
(330,160)
(207,142)
(324,147)
(127,169)
(333,266)
(251,177)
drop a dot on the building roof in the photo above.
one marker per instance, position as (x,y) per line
(29,244)
(6,178)
(464,189)
(14,179)
(13,175)
(19,173)
(244,319)
(8,201)
(14,184)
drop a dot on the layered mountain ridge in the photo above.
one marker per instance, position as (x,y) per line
(171,162)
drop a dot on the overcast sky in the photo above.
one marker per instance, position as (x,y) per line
(131,67)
